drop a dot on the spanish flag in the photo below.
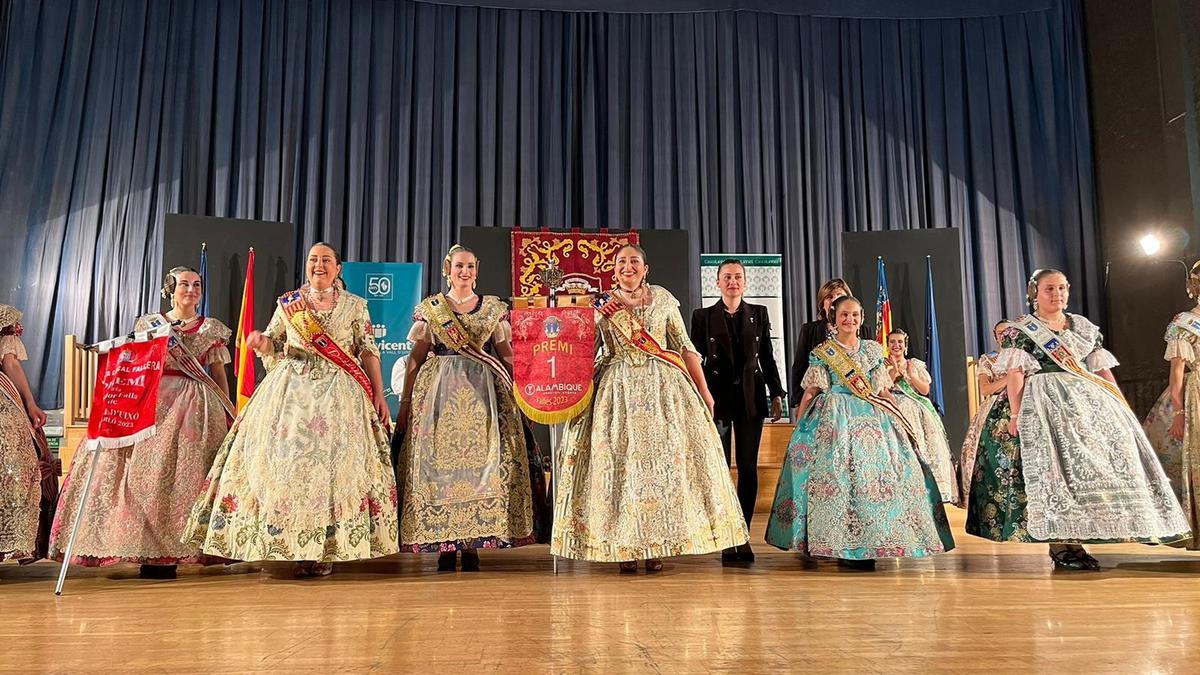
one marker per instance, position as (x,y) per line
(243,363)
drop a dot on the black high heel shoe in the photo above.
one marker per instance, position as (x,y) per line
(447,561)
(470,561)
(1074,559)
(1089,562)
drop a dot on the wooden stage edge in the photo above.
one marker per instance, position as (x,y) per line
(981,608)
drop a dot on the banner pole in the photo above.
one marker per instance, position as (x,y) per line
(87,487)
(556,431)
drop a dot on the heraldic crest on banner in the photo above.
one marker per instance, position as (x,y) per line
(582,262)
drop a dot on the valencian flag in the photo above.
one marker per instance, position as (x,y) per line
(883,308)
(933,350)
(554,350)
(204,279)
(125,400)
(243,363)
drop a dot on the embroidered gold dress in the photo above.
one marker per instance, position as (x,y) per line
(20,479)
(642,472)
(464,472)
(305,473)
(141,494)
(1181,458)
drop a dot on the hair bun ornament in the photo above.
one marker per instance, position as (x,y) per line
(1195,269)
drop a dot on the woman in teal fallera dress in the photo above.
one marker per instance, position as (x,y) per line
(852,486)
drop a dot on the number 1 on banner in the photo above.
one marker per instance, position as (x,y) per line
(553,369)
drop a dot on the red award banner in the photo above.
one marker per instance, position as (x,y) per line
(579,262)
(126,396)
(553,350)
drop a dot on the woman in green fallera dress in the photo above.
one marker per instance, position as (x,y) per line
(992,392)
(1064,461)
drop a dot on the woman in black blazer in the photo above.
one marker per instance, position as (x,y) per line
(734,340)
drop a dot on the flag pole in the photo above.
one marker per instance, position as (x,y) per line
(204,278)
(933,349)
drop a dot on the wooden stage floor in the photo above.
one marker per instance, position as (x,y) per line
(982,608)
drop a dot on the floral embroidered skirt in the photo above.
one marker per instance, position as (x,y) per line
(1081,470)
(996,502)
(1180,458)
(20,485)
(642,472)
(304,474)
(141,494)
(852,487)
(467,476)
(932,445)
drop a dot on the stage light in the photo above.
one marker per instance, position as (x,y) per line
(1150,244)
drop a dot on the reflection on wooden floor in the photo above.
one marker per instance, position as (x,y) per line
(981,608)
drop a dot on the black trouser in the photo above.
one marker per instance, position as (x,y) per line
(745,435)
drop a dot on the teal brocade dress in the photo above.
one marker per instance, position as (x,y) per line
(852,485)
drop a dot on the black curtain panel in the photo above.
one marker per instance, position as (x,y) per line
(385,126)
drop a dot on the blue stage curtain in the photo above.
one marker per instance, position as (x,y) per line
(384,126)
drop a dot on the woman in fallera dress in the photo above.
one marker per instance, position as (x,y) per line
(992,393)
(851,486)
(28,479)
(910,386)
(1173,425)
(642,473)
(467,478)
(1072,465)
(142,494)
(305,474)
